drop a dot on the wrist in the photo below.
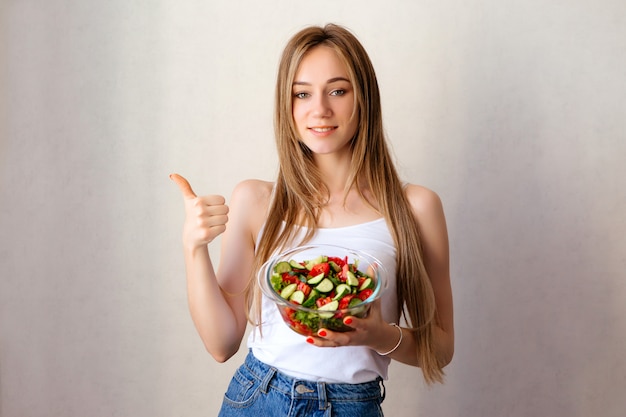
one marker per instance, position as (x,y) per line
(191,247)
(399,336)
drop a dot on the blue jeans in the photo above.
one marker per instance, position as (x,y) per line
(259,390)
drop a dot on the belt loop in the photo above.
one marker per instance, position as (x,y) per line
(266,380)
(382,389)
(321,395)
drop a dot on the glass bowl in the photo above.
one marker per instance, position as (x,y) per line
(315,286)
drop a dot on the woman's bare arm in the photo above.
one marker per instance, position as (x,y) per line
(216,301)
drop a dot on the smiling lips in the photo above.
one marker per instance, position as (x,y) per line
(322,130)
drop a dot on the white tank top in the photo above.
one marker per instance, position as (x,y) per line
(289,352)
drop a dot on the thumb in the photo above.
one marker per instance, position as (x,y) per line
(184,186)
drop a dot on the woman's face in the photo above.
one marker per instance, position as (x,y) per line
(323,102)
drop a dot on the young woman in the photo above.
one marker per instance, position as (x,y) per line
(336,184)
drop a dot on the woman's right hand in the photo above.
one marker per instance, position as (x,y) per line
(205,217)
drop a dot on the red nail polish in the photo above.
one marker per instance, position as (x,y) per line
(322,333)
(310,340)
(348,320)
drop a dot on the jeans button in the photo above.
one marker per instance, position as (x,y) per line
(301,389)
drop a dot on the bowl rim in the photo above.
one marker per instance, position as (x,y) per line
(265,272)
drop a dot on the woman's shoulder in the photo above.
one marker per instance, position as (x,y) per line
(249,204)
(254,186)
(253,192)
(422,199)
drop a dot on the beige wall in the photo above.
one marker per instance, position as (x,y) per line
(513,111)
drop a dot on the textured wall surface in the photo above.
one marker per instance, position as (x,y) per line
(512,111)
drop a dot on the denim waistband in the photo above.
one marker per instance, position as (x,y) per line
(324,391)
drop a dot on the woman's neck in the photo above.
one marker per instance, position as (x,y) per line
(335,172)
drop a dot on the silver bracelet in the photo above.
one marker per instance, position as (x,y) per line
(397,344)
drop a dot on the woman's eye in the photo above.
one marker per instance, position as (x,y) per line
(301,95)
(338,92)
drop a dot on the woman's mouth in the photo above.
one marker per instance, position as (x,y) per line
(322,129)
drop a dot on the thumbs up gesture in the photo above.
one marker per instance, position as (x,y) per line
(205,217)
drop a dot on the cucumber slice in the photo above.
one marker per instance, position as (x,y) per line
(342,289)
(354,302)
(366,284)
(296,265)
(326,308)
(336,281)
(297,297)
(359,310)
(332,306)
(288,290)
(334,266)
(351,279)
(325,286)
(313,297)
(312,262)
(316,279)
(282,267)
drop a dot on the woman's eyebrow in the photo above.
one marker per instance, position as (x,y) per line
(330,81)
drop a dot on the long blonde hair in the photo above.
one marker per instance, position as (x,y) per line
(300,193)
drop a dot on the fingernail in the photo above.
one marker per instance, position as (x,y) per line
(322,333)
(348,320)
(310,340)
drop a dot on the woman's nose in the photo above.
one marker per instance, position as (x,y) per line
(321,106)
